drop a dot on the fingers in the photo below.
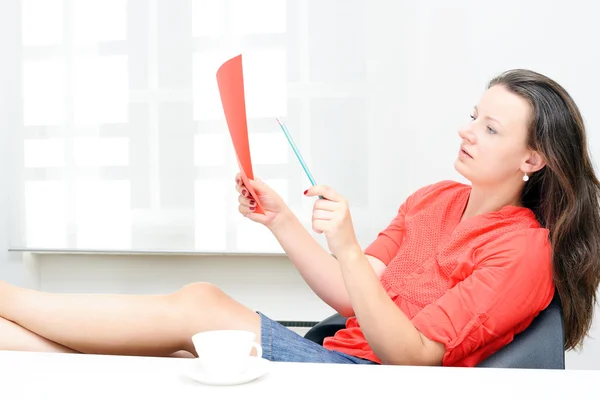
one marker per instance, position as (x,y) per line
(259,185)
(328,214)
(325,192)
(321,215)
(240,187)
(318,226)
(247,201)
(242,190)
(247,204)
(246,210)
(325,205)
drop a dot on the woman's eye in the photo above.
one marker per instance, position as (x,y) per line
(491,130)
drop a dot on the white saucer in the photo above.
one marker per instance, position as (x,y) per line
(257,367)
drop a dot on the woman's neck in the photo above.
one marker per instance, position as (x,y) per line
(485,199)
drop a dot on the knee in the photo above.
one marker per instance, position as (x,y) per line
(199,293)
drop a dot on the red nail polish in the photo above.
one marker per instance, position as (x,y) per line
(305,191)
(252,202)
(252,208)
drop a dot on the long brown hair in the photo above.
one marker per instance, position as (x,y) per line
(564,195)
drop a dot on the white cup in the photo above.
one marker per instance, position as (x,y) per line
(225,351)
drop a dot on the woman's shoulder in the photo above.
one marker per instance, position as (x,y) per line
(526,245)
(526,238)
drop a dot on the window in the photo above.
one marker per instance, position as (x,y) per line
(122,141)
(117,139)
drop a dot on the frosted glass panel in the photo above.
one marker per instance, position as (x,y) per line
(101,90)
(207,101)
(42,22)
(254,237)
(99,20)
(116,128)
(269,148)
(208,17)
(337,45)
(265,83)
(44,153)
(259,16)
(43,92)
(211,214)
(95,151)
(45,214)
(210,149)
(103,214)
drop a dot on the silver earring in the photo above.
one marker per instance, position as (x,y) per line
(525,177)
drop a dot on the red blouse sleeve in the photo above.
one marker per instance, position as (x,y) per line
(510,284)
(388,241)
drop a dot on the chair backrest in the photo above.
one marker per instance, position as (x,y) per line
(540,346)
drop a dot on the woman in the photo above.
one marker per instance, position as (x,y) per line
(457,273)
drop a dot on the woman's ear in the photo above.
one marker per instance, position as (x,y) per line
(534,162)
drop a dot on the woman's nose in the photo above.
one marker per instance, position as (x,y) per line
(467,133)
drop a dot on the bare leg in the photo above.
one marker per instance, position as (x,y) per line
(126,324)
(16,338)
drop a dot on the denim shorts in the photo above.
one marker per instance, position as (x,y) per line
(280,344)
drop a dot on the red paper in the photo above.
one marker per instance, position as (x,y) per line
(230,79)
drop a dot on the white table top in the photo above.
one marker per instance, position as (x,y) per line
(37,375)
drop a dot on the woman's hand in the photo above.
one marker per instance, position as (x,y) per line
(331,215)
(272,204)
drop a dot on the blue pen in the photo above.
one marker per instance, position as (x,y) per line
(297,152)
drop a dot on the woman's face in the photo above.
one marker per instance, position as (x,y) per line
(494,147)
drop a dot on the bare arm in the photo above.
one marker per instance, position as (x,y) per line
(318,268)
(391,335)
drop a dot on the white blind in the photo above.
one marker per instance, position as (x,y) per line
(118,135)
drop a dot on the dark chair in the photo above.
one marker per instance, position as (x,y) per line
(540,346)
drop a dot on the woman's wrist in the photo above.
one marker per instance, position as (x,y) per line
(350,254)
(282,220)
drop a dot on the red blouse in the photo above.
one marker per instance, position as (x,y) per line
(471,285)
